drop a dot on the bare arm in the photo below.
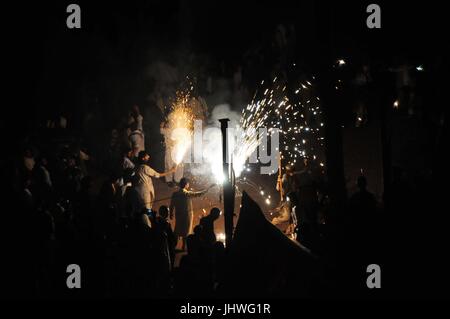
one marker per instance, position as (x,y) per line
(199,193)
(166,173)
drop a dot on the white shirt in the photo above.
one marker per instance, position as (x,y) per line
(127,163)
(144,174)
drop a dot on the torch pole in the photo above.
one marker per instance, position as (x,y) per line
(228,200)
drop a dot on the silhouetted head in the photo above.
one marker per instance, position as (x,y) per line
(86,183)
(27,183)
(128,152)
(184,183)
(135,110)
(163,212)
(28,153)
(115,133)
(143,157)
(362,182)
(71,162)
(215,213)
(43,161)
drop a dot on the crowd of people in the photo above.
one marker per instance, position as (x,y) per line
(69,211)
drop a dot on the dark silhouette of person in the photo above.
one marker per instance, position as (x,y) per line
(186,276)
(162,222)
(363,204)
(207,223)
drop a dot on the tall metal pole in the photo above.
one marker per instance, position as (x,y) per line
(228,197)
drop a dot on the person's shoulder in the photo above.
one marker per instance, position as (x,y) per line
(177,193)
(147,168)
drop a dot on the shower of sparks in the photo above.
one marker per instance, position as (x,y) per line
(180,123)
(294,111)
(183,111)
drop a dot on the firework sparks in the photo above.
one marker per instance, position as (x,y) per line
(294,112)
(183,112)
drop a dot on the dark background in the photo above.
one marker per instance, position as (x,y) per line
(48,62)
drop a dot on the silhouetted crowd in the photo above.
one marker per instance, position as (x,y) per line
(67,212)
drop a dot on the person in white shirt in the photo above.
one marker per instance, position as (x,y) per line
(127,162)
(143,180)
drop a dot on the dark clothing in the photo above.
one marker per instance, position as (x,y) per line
(208,233)
(164,226)
(363,206)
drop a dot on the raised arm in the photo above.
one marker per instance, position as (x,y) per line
(166,173)
(171,171)
(199,193)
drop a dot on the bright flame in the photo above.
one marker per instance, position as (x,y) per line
(180,122)
(396,104)
(221,237)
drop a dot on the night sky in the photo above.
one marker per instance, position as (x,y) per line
(43,48)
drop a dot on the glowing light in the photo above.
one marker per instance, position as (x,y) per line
(396,104)
(221,237)
(273,108)
(180,122)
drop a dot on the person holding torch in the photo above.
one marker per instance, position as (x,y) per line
(143,180)
(181,203)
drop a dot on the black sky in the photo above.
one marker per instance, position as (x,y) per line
(39,45)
